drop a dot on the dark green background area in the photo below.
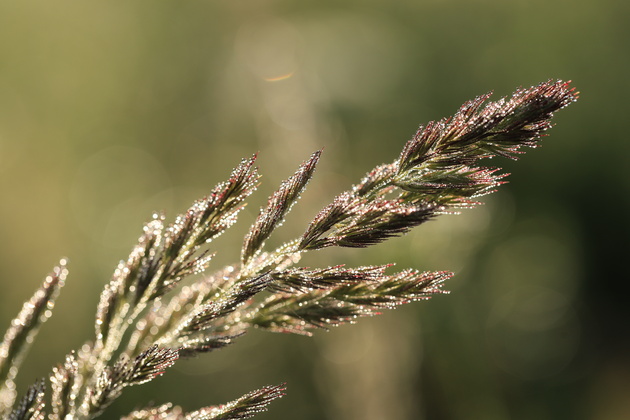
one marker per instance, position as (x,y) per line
(112,110)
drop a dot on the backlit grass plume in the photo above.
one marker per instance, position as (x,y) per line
(146,321)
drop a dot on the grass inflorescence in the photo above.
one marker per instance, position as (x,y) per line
(146,320)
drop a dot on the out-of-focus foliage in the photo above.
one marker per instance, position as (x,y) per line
(112,110)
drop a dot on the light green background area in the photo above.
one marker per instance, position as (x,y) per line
(112,110)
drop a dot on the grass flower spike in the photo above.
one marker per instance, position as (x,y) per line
(147,319)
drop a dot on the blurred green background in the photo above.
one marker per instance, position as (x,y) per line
(111,110)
